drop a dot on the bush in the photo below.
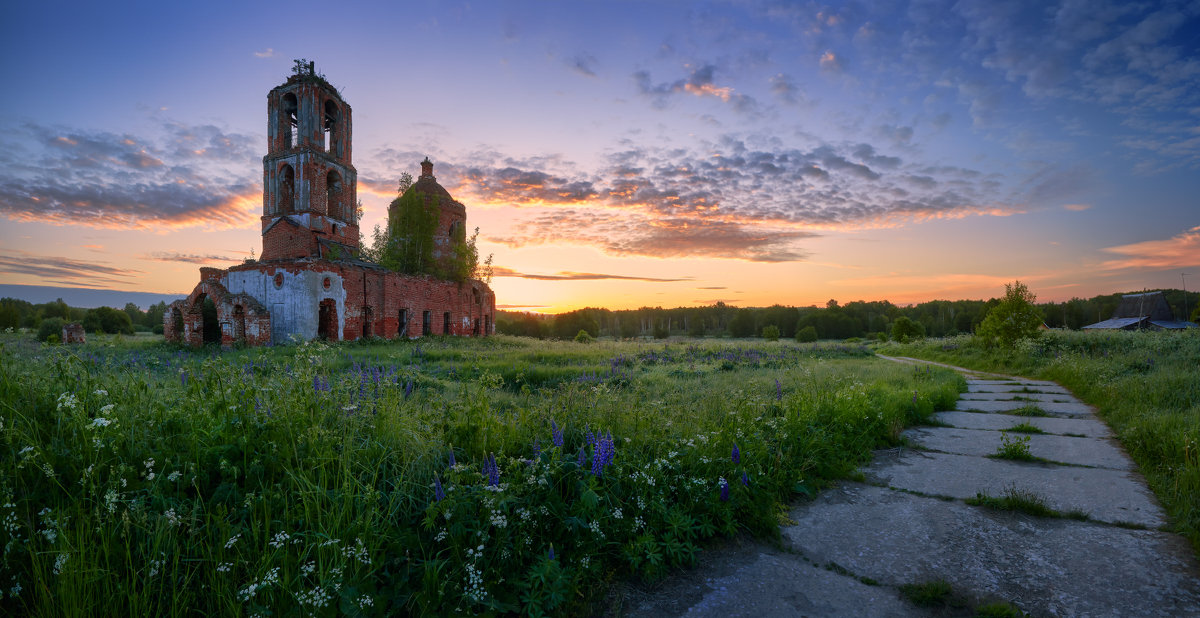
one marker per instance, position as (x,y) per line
(661,331)
(48,327)
(808,334)
(1014,319)
(770,332)
(584,337)
(904,329)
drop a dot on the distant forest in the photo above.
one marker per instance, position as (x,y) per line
(15,313)
(833,321)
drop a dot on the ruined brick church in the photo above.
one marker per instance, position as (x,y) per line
(308,282)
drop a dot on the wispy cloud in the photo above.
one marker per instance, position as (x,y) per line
(500,271)
(699,82)
(1182,250)
(187,258)
(72,272)
(267,53)
(584,64)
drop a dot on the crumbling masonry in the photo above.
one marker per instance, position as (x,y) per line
(308,282)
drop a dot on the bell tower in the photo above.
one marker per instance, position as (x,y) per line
(309,184)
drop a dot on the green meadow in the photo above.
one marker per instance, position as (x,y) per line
(500,475)
(1145,385)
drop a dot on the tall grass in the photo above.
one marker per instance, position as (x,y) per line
(1145,385)
(499,475)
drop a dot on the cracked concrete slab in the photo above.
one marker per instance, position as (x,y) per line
(1112,496)
(1087,427)
(1003,388)
(980,442)
(1012,382)
(1034,398)
(1061,409)
(1044,566)
(753,580)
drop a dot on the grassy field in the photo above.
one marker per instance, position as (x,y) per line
(1145,385)
(501,475)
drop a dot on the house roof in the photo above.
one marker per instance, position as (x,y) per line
(1149,304)
(1173,324)
(1116,323)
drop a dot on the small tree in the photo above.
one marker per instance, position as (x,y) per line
(411,223)
(1014,319)
(808,334)
(50,327)
(770,332)
(904,329)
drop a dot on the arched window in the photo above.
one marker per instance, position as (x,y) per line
(333,195)
(333,138)
(288,121)
(456,231)
(285,190)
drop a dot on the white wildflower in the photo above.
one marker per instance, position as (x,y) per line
(279,539)
(61,562)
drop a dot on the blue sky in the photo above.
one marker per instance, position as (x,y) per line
(629,154)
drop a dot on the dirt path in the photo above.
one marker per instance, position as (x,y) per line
(851,549)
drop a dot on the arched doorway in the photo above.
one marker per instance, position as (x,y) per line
(210,329)
(239,324)
(327,320)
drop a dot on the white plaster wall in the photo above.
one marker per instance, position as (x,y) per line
(294,304)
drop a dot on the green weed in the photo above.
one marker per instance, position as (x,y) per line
(1016,448)
(1024,501)
(935,593)
(1025,428)
(1028,411)
(999,610)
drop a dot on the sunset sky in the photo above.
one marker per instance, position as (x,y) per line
(624,154)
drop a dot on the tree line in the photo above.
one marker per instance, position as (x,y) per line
(16,313)
(861,319)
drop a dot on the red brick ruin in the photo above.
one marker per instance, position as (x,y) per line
(308,282)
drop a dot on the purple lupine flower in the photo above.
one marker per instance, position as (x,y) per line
(556,434)
(582,456)
(408,388)
(602,454)
(745,479)
(778,390)
(736,456)
(438,493)
(914,398)
(452,462)
(183,379)
(551,553)
(537,451)
(724,491)
(491,470)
